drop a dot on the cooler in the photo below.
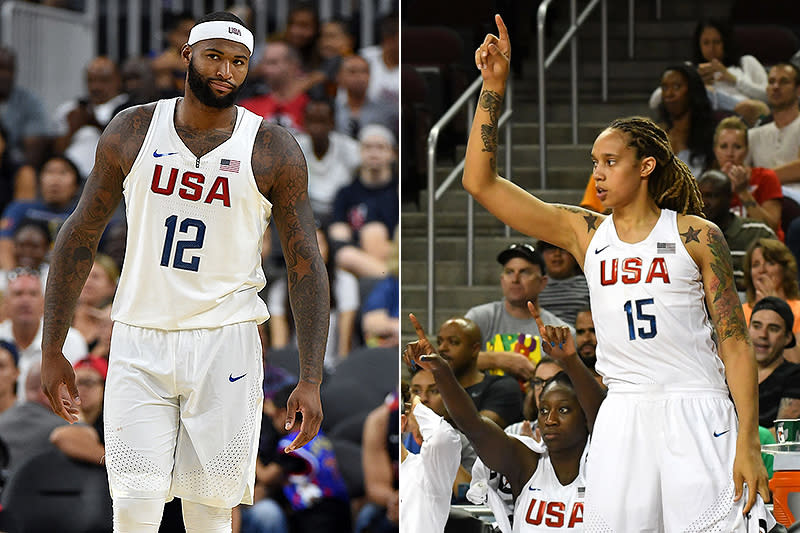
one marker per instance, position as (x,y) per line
(785,483)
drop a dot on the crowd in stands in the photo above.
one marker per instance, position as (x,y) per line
(341,102)
(736,123)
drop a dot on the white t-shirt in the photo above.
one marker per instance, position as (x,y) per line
(772,147)
(426,478)
(329,174)
(384,83)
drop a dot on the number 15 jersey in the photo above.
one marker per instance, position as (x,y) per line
(195,225)
(648,307)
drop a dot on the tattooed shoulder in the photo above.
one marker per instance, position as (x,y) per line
(276,154)
(125,134)
(591,218)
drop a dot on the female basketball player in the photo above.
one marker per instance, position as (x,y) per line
(547,485)
(668,451)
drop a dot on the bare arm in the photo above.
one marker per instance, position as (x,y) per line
(79,442)
(789,173)
(282,176)
(378,479)
(508,202)
(788,408)
(713,257)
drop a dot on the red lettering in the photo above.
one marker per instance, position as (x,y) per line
(555,514)
(631,270)
(538,520)
(221,194)
(610,280)
(193,189)
(577,514)
(658,269)
(155,186)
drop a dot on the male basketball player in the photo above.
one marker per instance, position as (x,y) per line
(200,178)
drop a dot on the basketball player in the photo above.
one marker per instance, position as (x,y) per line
(547,485)
(668,452)
(201,178)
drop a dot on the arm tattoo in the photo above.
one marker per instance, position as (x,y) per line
(690,235)
(282,177)
(490,101)
(728,309)
(591,218)
(789,408)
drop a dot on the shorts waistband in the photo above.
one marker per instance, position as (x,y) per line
(672,389)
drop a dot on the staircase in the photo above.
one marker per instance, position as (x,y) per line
(657,45)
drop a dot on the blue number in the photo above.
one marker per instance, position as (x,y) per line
(640,315)
(181,246)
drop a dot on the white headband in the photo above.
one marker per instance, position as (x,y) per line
(222,29)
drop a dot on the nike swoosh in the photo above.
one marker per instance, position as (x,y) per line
(232,379)
(597,251)
(156,154)
(721,434)
(534,488)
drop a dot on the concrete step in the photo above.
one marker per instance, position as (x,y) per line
(453,273)
(458,299)
(528,177)
(455,248)
(441,314)
(527,155)
(455,199)
(588,111)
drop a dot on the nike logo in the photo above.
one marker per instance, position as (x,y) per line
(232,379)
(598,250)
(534,488)
(156,154)
(721,434)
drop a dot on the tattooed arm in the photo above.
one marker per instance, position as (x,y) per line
(513,205)
(281,173)
(76,245)
(709,249)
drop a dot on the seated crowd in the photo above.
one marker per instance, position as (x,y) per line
(341,104)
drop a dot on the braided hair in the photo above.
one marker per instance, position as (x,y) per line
(671,184)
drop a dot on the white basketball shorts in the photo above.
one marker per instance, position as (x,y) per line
(182,413)
(662,461)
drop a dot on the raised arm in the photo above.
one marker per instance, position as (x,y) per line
(563,226)
(711,253)
(282,174)
(497,450)
(75,248)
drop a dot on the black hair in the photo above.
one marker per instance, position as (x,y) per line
(173,20)
(328,102)
(68,161)
(39,225)
(221,15)
(9,346)
(793,68)
(561,378)
(281,396)
(389,25)
(730,52)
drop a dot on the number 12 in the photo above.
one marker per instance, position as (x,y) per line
(181,246)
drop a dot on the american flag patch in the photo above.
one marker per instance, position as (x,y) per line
(581,492)
(665,248)
(232,165)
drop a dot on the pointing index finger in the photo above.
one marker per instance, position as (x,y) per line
(536,317)
(417,327)
(502,32)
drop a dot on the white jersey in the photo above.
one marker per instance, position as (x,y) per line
(544,504)
(649,309)
(195,226)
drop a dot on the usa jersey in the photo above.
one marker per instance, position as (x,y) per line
(544,504)
(649,311)
(195,227)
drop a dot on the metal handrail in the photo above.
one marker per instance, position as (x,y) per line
(435,194)
(543,64)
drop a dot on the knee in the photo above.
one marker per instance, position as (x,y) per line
(203,518)
(138,515)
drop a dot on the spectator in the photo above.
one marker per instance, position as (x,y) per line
(733,82)
(586,340)
(59,181)
(97,293)
(685,114)
(522,279)
(776,145)
(332,158)
(285,102)
(739,232)
(335,43)
(85,441)
(384,62)
(566,290)
(26,426)
(770,269)
(23,117)
(168,67)
(139,83)
(31,246)
(9,373)
(309,478)
(380,320)
(79,123)
(496,397)
(757,191)
(17,182)
(545,369)
(25,308)
(778,379)
(427,477)
(354,108)
(301,33)
(380,460)
(366,212)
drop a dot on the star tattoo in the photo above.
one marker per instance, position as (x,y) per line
(691,235)
(591,222)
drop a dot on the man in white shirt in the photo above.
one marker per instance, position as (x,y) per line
(426,478)
(25,308)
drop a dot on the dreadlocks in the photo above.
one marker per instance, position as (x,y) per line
(671,184)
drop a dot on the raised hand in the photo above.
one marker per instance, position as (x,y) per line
(557,341)
(421,351)
(494,54)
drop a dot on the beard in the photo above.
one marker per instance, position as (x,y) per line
(200,88)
